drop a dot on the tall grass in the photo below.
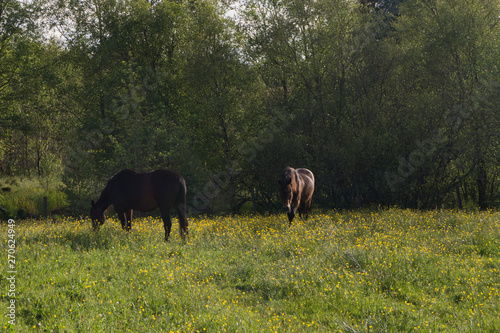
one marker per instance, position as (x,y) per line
(25,197)
(391,270)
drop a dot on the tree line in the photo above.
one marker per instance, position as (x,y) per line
(387,102)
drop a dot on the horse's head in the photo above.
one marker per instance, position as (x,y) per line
(288,186)
(96,215)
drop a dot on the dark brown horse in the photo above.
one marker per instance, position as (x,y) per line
(296,189)
(128,191)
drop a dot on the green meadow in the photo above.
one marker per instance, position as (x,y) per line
(355,271)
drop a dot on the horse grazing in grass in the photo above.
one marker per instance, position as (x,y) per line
(296,190)
(128,191)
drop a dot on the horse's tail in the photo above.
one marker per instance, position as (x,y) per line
(181,203)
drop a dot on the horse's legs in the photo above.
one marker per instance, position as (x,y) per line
(167,223)
(305,209)
(123,218)
(308,208)
(183,223)
(128,219)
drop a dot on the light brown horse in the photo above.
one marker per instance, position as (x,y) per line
(128,191)
(296,190)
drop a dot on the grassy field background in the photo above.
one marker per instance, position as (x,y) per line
(356,271)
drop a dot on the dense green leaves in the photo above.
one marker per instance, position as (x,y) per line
(389,102)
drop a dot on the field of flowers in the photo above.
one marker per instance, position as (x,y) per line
(354,271)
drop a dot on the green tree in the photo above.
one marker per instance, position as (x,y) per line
(218,87)
(127,54)
(13,18)
(323,63)
(447,50)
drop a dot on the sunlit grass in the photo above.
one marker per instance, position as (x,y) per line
(358,271)
(24,197)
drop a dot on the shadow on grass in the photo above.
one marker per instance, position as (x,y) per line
(84,240)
